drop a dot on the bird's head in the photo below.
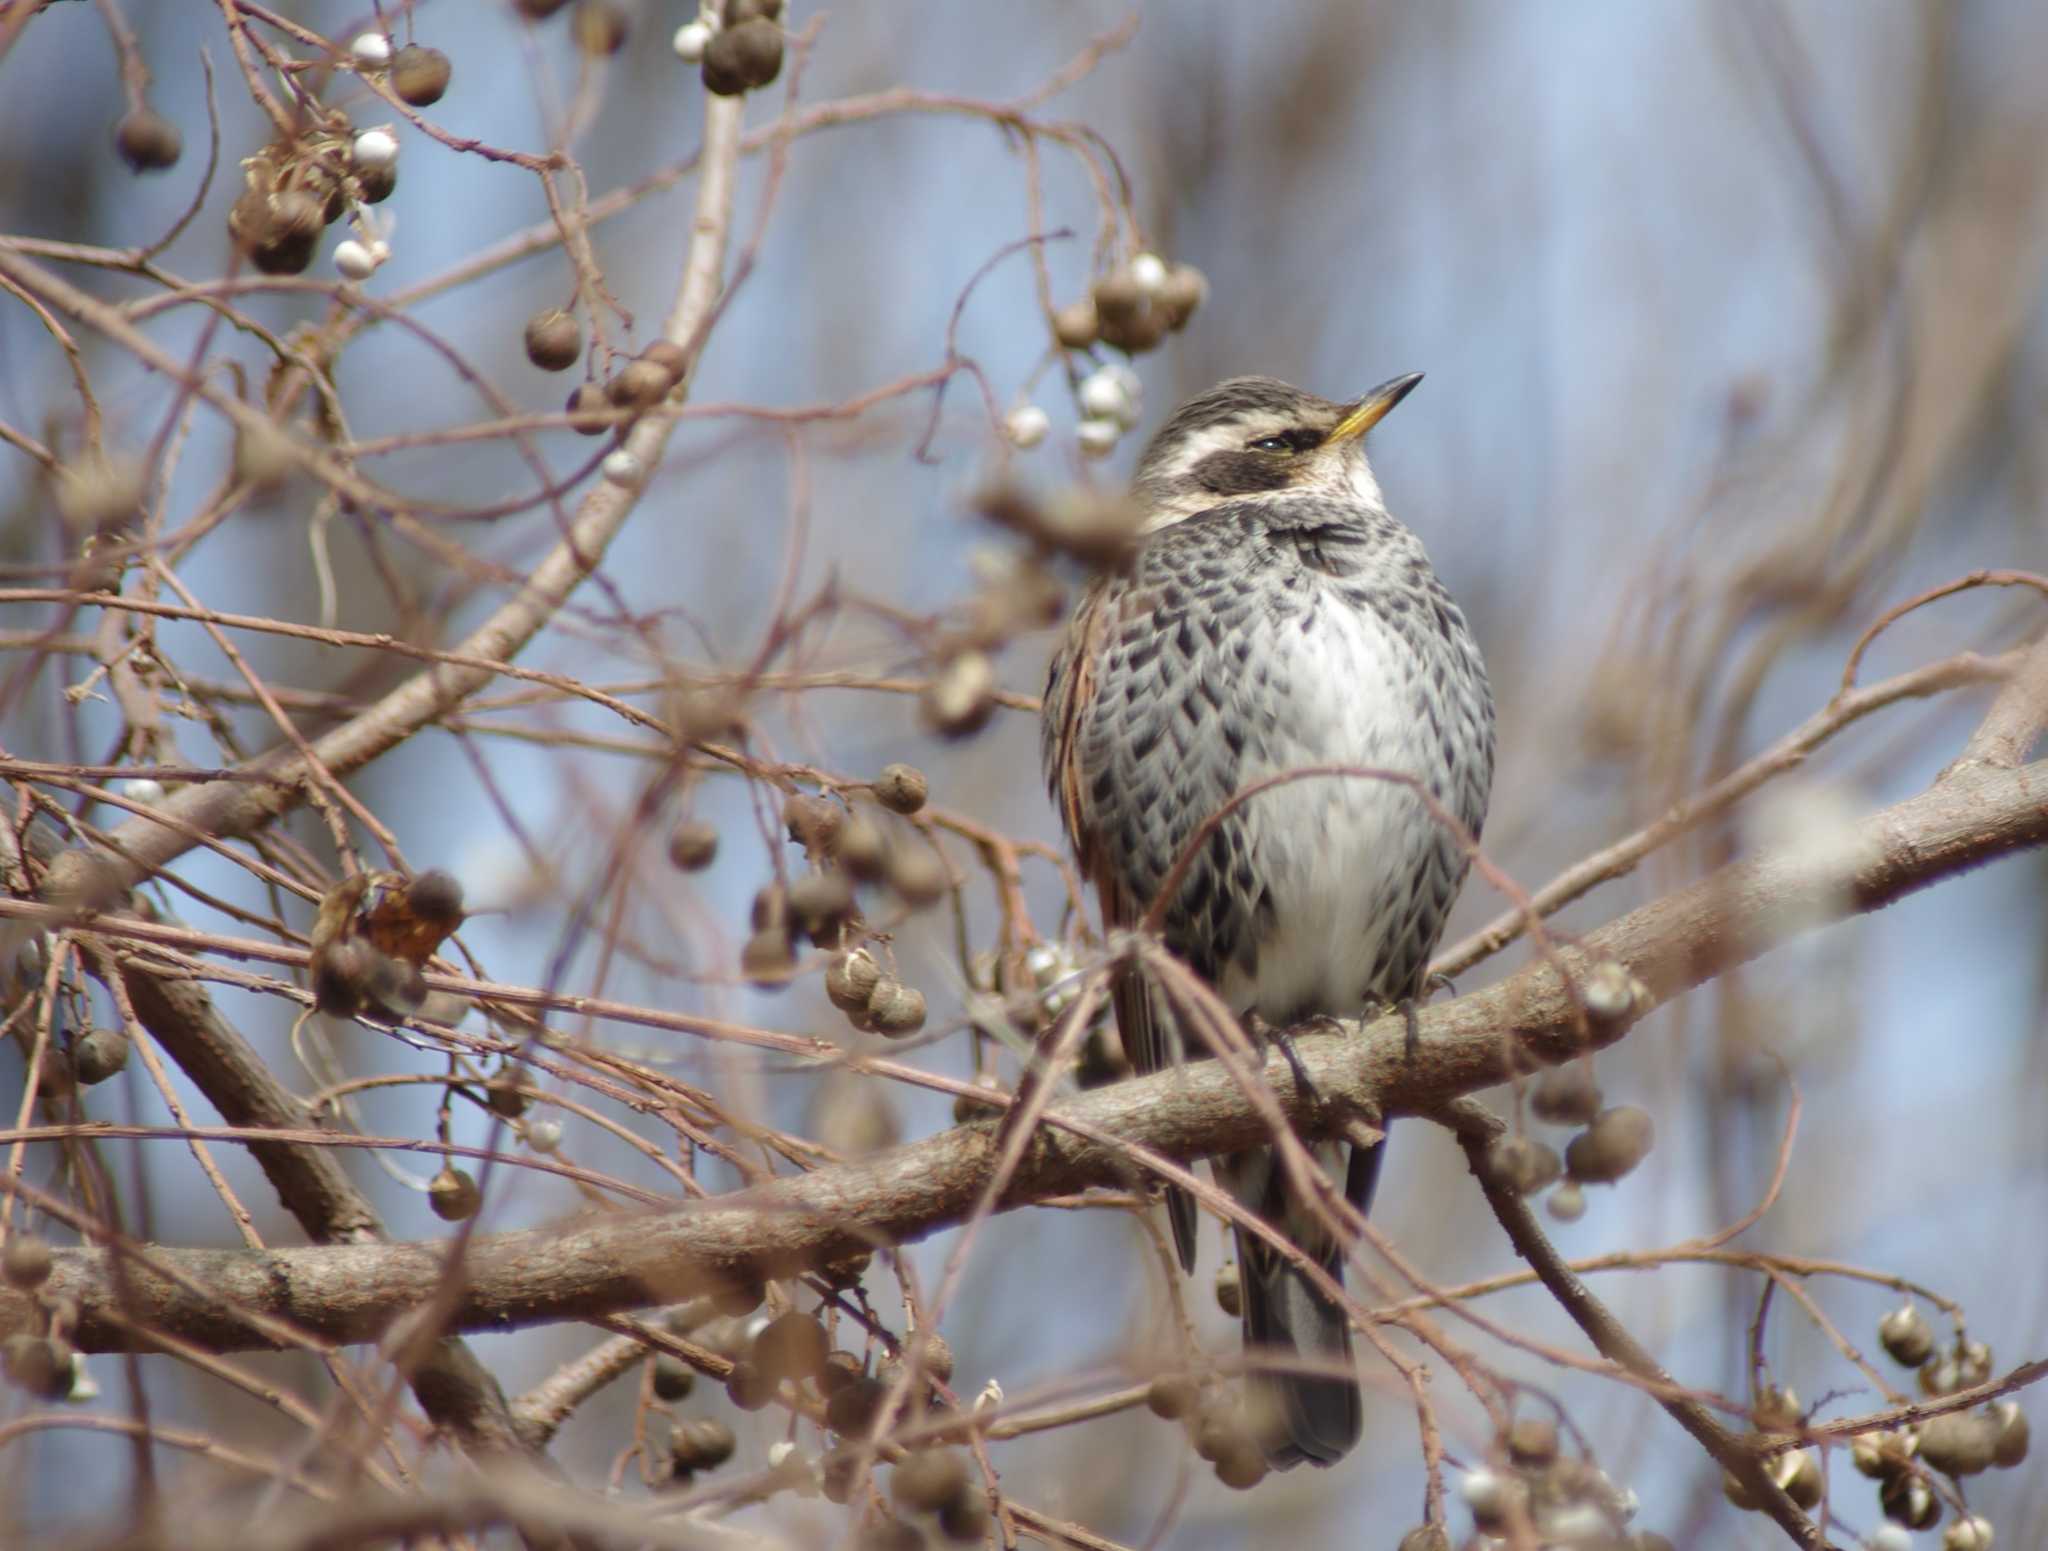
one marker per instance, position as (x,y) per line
(1257,436)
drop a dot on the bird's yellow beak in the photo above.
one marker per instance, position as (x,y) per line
(1372,409)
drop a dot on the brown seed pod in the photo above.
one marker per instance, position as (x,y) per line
(1566,1095)
(591,410)
(1521,1164)
(820,903)
(1776,1409)
(919,875)
(1136,333)
(599,27)
(1532,1442)
(768,959)
(1959,1443)
(668,357)
(934,1355)
(673,1379)
(748,1387)
(692,845)
(927,1480)
(1229,1289)
(1964,1366)
(902,788)
(737,11)
(1908,1500)
(742,58)
(453,1194)
(40,1365)
(98,1055)
(554,339)
(504,1096)
(1118,297)
(702,1444)
(895,1009)
(961,697)
(861,849)
(2011,1435)
(851,978)
(853,1407)
(1616,1141)
(812,822)
(27,1259)
(1185,290)
(840,1370)
(792,1346)
(1906,1336)
(1242,1467)
(1881,1456)
(1172,1396)
(966,1106)
(638,385)
(147,141)
(1076,326)
(96,493)
(539,10)
(964,1520)
(419,75)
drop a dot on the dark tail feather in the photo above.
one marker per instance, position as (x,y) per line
(1310,1417)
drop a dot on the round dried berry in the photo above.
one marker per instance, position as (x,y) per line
(964,1520)
(590,410)
(692,846)
(840,1370)
(27,1259)
(1229,1289)
(554,339)
(1242,1467)
(1184,290)
(748,1387)
(895,1009)
(599,27)
(961,698)
(147,141)
(1616,1141)
(1172,1396)
(453,1194)
(1566,1095)
(851,978)
(1522,1164)
(742,58)
(419,75)
(638,385)
(1959,1443)
(853,1407)
(38,1364)
(1907,1499)
(792,1346)
(902,788)
(703,1444)
(667,357)
(819,904)
(1118,296)
(279,232)
(812,822)
(768,959)
(2011,1434)
(928,1480)
(98,1055)
(673,1378)
(1906,1336)
(919,875)
(375,183)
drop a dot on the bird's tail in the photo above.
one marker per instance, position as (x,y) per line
(1298,1415)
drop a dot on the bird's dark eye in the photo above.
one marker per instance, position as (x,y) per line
(1286,441)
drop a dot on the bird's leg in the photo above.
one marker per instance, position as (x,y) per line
(1410,1006)
(1264,1034)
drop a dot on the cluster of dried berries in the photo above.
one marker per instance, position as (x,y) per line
(42,1362)
(1612,1142)
(293,190)
(736,45)
(1535,1493)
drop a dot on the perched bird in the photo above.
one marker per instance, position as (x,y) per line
(1272,616)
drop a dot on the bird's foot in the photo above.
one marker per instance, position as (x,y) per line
(1265,1036)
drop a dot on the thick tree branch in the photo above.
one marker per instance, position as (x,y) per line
(350,1293)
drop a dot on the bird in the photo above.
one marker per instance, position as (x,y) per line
(1271,615)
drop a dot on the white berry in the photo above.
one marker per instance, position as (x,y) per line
(140,789)
(355,261)
(371,50)
(1484,1492)
(690,42)
(1890,1537)
(621,467)
(1567,1203)
(1098,437)
(1026,426)
(544,1135)
(1133,388)
(1148,272)
(375,149)
(1103,395)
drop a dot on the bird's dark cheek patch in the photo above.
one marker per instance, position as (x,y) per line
(1243,473)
